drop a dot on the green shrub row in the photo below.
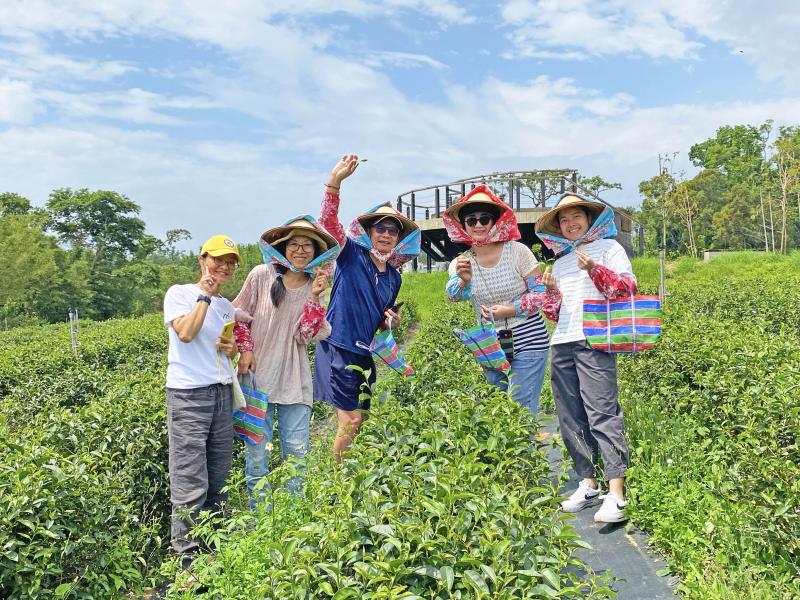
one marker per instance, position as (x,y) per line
(83,461)
(714,422)
(445,494)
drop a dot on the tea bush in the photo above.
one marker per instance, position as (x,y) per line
(714,423)
(82,460)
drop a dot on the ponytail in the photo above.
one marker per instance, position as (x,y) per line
(278,290)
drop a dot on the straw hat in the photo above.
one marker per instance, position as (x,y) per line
(298,227)
(548,222)
(384,212)
(481,196)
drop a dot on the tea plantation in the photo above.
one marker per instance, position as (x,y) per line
(445,494)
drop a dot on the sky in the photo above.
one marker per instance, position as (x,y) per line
(226,117)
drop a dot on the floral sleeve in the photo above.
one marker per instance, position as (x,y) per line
(456,293)
(329,216)
(551,304)
(241,333)
(312,319)
(531,301)
(611,284)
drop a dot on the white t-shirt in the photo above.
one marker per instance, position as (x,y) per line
(197,363)
(576,285)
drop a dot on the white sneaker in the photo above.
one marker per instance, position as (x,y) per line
(612,511)
(580,498)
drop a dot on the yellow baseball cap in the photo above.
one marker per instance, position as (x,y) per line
(219,245)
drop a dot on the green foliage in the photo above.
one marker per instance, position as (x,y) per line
(714,426)
(83,458)
(443,495)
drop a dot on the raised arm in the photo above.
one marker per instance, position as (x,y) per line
(613,281)
(329,212)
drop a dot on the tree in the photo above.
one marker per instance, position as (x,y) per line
(28,263)
(787,171)
(597,185)
(737,151)
(658,192)
(14,204)
(103,222)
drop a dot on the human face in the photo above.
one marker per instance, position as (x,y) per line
(221,268)
(478,224)
(573,222)
(300,251)
(384,235)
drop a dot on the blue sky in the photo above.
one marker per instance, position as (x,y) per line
(226,117)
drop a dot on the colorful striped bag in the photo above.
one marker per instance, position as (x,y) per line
(385,347)
(482,341)
(622,325)
(249,422)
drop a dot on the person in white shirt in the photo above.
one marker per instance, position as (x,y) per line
(199,391)
(589,265)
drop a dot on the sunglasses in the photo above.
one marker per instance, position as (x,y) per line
(381,228)
(471,221)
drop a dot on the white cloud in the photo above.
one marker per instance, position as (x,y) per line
(582,28)
(18,102)
(403,59)
(766,35)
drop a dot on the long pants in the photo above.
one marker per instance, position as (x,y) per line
(293,431)
(200,445)
(527,377)
(589,415)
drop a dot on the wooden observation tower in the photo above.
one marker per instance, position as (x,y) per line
(529,193)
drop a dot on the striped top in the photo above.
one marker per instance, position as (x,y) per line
(504,283)
(576,286)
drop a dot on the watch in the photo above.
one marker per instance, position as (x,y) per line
(204,298)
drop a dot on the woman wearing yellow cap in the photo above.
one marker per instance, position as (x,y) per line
(199,391)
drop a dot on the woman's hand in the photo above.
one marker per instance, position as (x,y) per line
(464,269)
(498,311)
(549,280)
(247,362)
(319,285)
(207,283)
(391,317)
(227,346)
(585,261)
(343,169)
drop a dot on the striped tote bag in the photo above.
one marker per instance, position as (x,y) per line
(482,341)
(622,325)
(249,422)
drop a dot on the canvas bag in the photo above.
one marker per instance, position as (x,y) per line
(249,422)
(623,325)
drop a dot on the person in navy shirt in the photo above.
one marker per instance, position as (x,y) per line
(365,288)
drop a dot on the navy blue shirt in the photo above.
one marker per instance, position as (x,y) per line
(360,295)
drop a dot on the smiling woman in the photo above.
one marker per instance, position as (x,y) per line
(199,391)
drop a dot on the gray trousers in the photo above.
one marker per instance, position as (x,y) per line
(589,415)
(200,446)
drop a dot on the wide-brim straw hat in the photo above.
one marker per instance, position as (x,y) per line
(480,196)
(383,212)
(548,222)
(277,235)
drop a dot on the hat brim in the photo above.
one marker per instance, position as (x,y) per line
(548,222)
(277,235)
(407,224)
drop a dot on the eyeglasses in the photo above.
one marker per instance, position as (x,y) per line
(231,264)
(473,220)
(308,247)
(381,228)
